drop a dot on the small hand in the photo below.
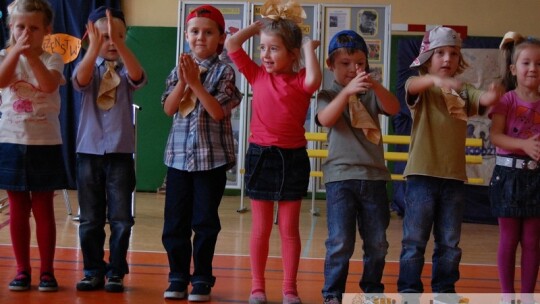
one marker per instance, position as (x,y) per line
(532,147)
(116,33)
(189,69)
(496,90)
(359,84)
(95,38)
(310,45)
(181,79)
(259,25)
(448,83)
(22,45)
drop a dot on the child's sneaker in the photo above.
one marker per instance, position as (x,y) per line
(291,299)
(89,283)
(176,290)
(331,300)
(200,293)
(21,282)
(47,282)
(114,284)
(257,297)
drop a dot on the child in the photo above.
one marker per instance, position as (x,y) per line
(31,166)
(514,195)
(277,165)
(107,76)
(355,174)
(435,171)
(199,151)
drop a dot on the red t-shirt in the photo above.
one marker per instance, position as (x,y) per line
(279,105)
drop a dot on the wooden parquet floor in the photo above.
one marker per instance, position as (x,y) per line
(149,268)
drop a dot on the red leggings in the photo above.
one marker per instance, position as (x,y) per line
(261,228)
(515,231)
(41,205)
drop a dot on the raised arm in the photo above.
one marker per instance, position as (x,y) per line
(117,36)
(313,70)
(86,67)
(419,84)
(9,64)
(234,42)
(171,103)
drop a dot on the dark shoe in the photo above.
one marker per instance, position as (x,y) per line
(89,283)
(176,290)
(114,284)
(331,300)
(21,282)
(47,282)
(200,293)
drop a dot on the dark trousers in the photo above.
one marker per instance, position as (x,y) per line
(191,204)
(105,184)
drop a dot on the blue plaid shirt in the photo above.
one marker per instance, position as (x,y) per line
(197,142)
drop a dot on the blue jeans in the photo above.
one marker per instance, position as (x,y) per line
(191,204)
(105,185)
(438,203)
(351,204)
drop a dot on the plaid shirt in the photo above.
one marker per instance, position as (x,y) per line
(198,142)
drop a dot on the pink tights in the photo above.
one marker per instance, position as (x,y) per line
(261,227)
(21,203)
(514,231)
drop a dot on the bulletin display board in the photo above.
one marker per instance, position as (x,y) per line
(235,15)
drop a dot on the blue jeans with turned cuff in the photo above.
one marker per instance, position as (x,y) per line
(436,203)
(355,205)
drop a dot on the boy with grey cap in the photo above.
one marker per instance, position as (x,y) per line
(435,173)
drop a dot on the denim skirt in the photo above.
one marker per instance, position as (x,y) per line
(32,167)
(276,174)
(515,192)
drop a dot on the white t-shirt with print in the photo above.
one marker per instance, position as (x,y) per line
(29,116)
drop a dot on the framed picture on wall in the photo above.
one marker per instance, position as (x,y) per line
(368,22)
(375,31)
(374,50)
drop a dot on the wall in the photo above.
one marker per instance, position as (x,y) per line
(483,17)
(153,37)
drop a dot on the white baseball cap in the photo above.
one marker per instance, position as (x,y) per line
(437,37)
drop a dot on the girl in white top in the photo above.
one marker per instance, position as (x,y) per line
(31,166)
